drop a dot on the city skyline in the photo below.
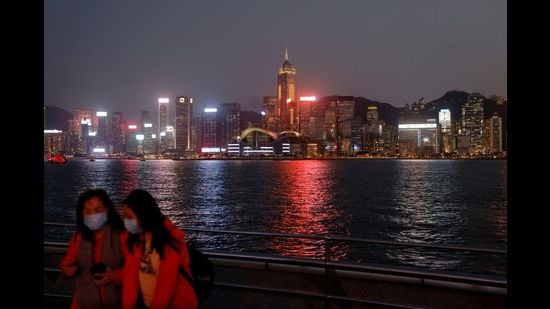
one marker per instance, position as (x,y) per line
(115,57)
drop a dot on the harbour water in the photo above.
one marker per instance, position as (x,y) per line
(446,202)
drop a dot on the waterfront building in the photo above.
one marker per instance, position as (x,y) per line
(270,117)
(372,132)
(493,134)
(445,120)
(53,141)
(338,120)
(116,133)
(163,114)
(257,141)
(164,136)
(286,97)
(184,118)
(73,141)
(417,137)
(86,135)
(209,131)
(304,114)
(101,140)
(462,144)
(472,122)
(229,123)
(130,140)
(146,129)
(446,133)
(80,114)
(81,124)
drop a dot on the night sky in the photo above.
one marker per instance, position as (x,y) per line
(123,55)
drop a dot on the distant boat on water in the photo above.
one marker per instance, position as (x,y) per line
(57,159)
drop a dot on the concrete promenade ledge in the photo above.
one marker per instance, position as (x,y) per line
(271,281)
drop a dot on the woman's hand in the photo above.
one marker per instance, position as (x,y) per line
(106,278)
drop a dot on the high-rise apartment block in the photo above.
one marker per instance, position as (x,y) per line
(184,121)
(472,122)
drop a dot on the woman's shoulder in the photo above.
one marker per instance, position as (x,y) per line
(174,230)
(76,238)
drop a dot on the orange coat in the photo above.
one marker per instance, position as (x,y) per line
(172,289)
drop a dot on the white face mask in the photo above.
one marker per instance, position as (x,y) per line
(95,221)
(132,226)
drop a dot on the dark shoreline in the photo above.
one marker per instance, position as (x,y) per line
(291,159)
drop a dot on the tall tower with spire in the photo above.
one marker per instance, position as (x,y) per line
(286,95)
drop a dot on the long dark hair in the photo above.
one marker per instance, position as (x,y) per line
(144,205)
(113,218)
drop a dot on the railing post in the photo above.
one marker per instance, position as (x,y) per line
(327,303)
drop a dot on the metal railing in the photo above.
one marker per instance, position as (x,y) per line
(363,271)
(329,238)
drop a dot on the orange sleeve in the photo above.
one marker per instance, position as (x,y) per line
(72,252)
(184,253)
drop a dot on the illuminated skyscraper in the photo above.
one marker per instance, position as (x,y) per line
(163,114)
(418,137)
(372,131)
(229,122)
(445,120)
(53,141)
(304,114)
(286,95)
(344,110)
(209,131)
(184,118)
(130,140)
(472,121)
(116,132)
(81,124)
(146,129)
(85,125)
(270,107)
(80,114)
(372,113)
(493,134)
(101,134)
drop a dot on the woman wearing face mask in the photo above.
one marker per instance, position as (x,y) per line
(156,251)
(96,253)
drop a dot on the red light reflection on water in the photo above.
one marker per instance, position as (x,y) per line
(307,209)
(129,181)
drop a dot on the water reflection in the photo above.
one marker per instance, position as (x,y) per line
(445,202)
(306,208)
(436,204)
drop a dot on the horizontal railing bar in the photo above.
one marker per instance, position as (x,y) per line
(424,274)
(283,291)
(344,266)
(56,244)
(350,239)
(331,238)
(60,224)
(395,270)
(57,295)
(371,302)
(311,294)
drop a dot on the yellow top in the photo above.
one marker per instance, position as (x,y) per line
(148,271)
